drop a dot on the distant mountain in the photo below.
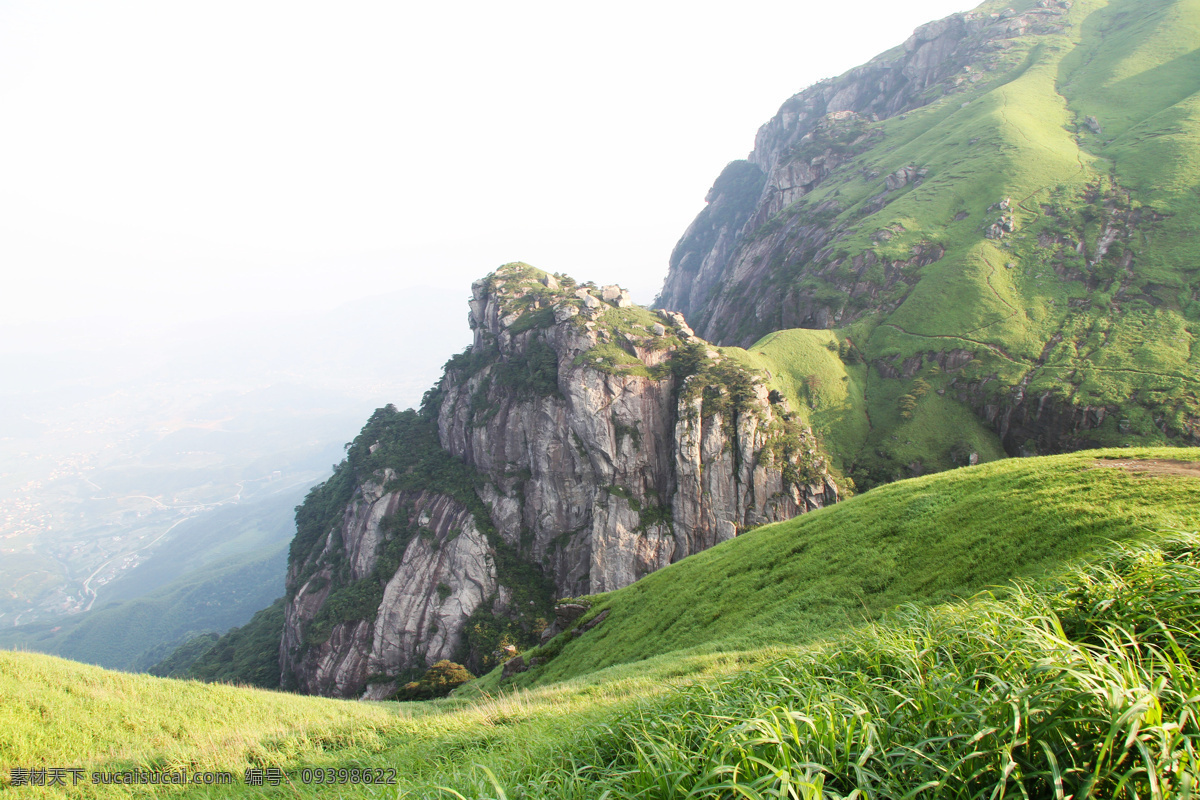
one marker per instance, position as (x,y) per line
(221,569)
(998,215)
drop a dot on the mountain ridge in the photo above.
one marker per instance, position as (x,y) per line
(999,204)
(1117,626)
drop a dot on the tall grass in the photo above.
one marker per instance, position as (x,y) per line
(1086,686)
(1080,685)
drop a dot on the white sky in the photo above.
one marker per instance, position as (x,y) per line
(164,161)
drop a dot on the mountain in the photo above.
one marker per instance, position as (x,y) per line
(974,246)
(998,214)
(925,540)
(580,443)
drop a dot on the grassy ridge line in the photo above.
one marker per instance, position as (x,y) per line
(63,713)
(866,707)
(1038,304)
(924,540)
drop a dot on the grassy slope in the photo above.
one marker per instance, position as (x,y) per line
(61,713)
(1085,684)
(929,539)
(1021,132)
(845,402)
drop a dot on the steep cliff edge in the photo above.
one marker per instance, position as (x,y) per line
(1011,193)
(814,135)
(580,443)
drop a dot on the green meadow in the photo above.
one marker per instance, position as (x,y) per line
(1020,628)
(1024,624)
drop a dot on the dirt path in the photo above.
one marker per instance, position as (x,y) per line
(1157,467)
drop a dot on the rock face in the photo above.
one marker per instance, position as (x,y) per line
(730,253)
(443,577)
(610,472)
(602,450)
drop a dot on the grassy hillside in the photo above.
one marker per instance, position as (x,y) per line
(60,713)
(1080,139)
(879,704)
(825,379)
(1085,685)
(924,540)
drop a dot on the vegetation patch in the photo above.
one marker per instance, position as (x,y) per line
(350,602)
(1085,685)
(248,655)
(532,372)
(438,681)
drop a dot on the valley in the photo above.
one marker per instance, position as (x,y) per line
(82,519)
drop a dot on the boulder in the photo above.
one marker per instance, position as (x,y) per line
(514,666)
(564,615)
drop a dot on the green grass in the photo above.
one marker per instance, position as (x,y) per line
(855,412)
(928,540)
(827,393)
(1080,330)
(1083,686)
(61,713)
(709,670)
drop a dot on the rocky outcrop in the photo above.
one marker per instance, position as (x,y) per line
(734,272)
(564,615)
(606,442)
(611,472)
(445,573)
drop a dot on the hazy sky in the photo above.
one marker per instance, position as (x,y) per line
(164,160)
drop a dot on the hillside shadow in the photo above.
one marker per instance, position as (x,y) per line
(1108,37)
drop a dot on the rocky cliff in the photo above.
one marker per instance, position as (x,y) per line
(1010,184)
(580,443)
(814,134)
